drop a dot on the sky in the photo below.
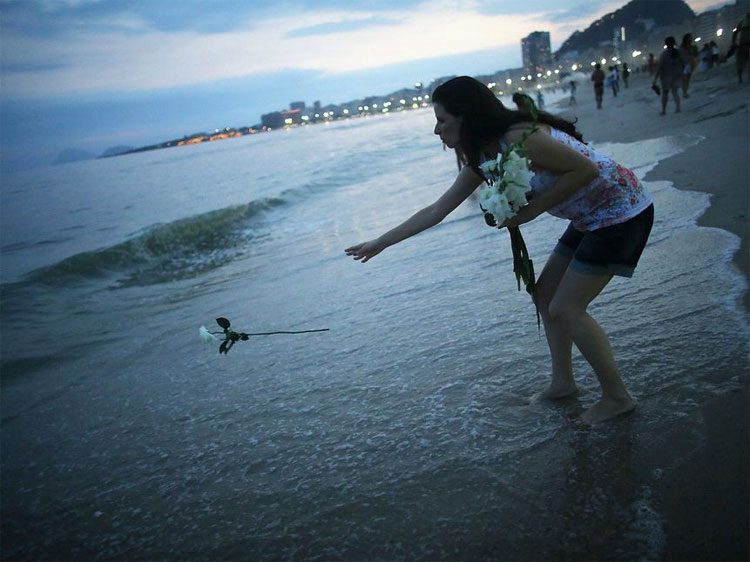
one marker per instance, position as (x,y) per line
(93,74)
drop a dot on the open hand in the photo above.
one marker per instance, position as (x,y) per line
(365,250)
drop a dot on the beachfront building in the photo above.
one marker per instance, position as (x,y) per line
(536,52)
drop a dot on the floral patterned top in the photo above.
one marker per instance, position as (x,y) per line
(614,197)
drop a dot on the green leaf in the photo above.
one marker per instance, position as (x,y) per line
(223,322)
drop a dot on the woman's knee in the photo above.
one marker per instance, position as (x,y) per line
(545,292)
(564,310)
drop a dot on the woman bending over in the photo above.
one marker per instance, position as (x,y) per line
(610,215)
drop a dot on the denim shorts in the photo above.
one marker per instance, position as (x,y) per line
(612,250)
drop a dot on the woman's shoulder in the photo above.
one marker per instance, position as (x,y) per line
(516,132)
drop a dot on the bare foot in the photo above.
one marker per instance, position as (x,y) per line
(606,409)
(555,391)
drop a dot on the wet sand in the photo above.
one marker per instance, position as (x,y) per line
(706,500)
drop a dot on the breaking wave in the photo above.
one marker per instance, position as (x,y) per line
(165,252)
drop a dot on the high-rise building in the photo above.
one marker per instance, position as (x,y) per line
(536,52)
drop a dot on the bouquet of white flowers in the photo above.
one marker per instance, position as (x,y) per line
(503,197)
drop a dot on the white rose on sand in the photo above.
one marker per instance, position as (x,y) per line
(207,336)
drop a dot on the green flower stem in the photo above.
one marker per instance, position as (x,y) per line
(523,267)
(272,333)
(296,332)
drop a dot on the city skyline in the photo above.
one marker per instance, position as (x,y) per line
(89,75)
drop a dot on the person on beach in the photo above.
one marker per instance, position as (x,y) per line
(540,99)
(714,54)
(612,82)
(706,57)
(597,77)
(651,64)
(741,46)
(625,74)
(670,71)
(573,88)
(611,216)
(689,53)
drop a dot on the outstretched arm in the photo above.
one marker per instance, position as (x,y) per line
(466,182)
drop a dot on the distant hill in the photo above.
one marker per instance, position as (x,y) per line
(115,151)
(72,155)
(634,17)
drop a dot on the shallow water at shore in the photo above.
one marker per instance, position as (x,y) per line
(401,433)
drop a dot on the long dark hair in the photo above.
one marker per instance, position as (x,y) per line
(484,117)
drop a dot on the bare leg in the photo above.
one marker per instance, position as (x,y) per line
(685,85)
(676,96)
(664,98)
(560,345)
(568,307)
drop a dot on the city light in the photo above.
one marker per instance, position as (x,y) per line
(574,67)
(636,53)
(549,73)
(538,74)
(523,78)
(604,61)
(509,81)
(719,32)
(491,85)
(697,40)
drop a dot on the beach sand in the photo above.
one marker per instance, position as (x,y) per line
(706,502)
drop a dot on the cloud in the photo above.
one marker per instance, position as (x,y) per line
(130,53)
(341,26)
(95,60)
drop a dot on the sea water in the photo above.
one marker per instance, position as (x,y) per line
(401,433)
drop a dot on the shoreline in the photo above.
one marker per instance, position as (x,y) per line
(717,110)
(705,502)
